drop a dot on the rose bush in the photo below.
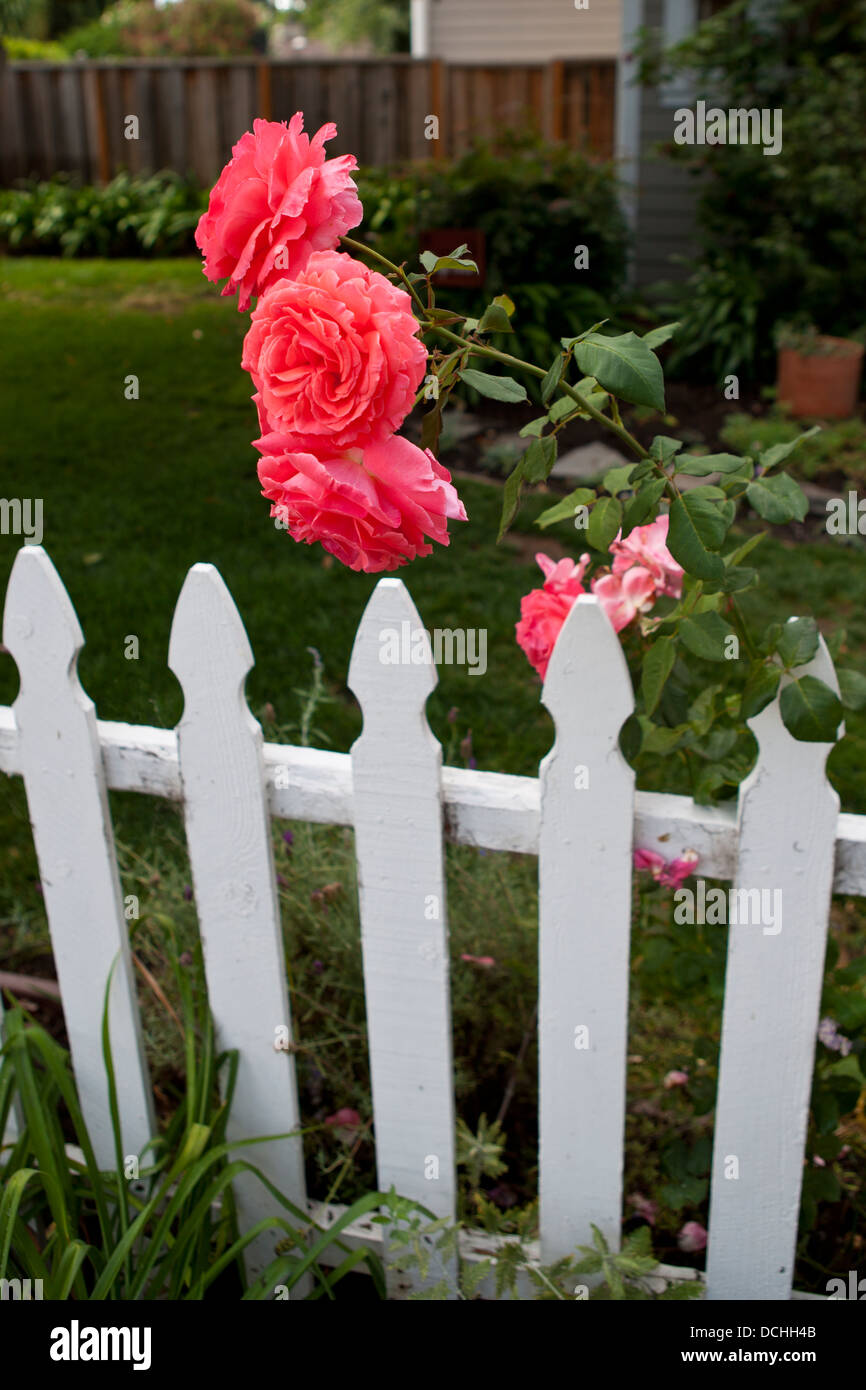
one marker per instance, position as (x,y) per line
(340,353)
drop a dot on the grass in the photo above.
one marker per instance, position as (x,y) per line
(136,491)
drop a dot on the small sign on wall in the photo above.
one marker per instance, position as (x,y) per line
(442,241)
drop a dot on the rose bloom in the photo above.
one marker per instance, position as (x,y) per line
(370,508)
(544,610)
(334,355)
(647,546)
(624,596)
(276,201)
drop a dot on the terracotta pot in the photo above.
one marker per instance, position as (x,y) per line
(825,385)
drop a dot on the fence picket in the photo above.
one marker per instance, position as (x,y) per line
(584,919)
(396,770)
(228,833)
(61,763)
(787,822)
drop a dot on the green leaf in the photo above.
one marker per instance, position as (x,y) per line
(663,448)
(657,666)
(617,479)
(579,337)
(734,580)
(604,522)
(496,388)
(444,316)
(657,336)
(456,261)
(625,366)
(563,405)
(565,510)
(431,426)
(742,551)
(511,498)
(778,499)
(494,320)
(539,459)
(798,642)
(534,428)
(709,463)
(810,710)
(706,636)
(640,506)
(551,378)
(852,688)
(761,686)
(696,528)
(777,452)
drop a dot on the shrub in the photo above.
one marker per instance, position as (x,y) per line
(788,227)
(189,28)
(153,216)
(534,202)
(18,49)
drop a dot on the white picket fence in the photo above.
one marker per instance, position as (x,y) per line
(786,833)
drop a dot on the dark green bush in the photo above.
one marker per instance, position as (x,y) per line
(535,203)
(153,216)
(782,232)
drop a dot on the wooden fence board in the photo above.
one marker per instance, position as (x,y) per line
(584,922)
(788,818)
(191,111)
(67,800)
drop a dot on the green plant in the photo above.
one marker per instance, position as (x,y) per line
(87,1234)
(154,215)
(786,226)
(18,48)
(431,1249)
(188,28)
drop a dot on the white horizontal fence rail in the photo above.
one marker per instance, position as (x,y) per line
(580,817)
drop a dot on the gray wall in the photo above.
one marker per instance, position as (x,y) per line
(666,192)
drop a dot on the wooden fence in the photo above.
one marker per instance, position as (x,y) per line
(71,116)
(786,836)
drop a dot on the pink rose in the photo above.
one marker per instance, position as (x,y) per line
(678,870)
(345,1124)
(334,356)
(692,1238)
(623,596)
(647,546)
(675,1078)
(648,859)
(544,610)
(670,875)
(370,508)
(276,201)
(644,1207)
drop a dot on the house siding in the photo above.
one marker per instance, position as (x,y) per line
(666,191)
(522,31)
